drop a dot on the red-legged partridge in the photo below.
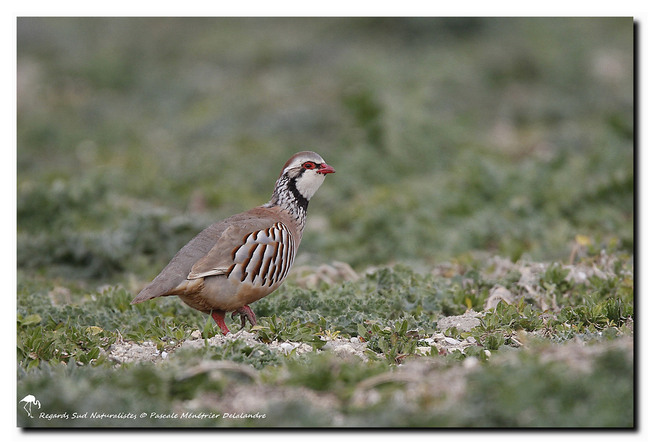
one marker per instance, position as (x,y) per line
(239,260)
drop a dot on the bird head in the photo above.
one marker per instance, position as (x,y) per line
(306,172)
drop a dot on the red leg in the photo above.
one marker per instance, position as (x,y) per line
(247,313)
(218,317)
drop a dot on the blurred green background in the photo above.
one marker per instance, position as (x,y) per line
(449,136)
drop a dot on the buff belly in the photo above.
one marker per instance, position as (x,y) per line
(220,293)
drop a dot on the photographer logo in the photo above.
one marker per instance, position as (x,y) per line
(30,401)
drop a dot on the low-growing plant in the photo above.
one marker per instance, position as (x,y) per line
(275,328)
(328,372)
(53,341)
(530,393)
(161,330)
(395,342)
(237,350)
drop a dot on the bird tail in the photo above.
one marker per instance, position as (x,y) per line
(148,292)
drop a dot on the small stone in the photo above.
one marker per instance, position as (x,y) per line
(287,347)
(304,348)
(452,341)
(164,355)
(344,349)
(196,334)
(464,322)
(354,340)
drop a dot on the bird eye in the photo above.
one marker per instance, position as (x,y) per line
(309,165)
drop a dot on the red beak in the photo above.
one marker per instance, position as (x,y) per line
(325,169)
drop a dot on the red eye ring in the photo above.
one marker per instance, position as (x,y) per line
(309,165)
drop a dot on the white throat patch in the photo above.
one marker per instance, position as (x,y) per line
(309,183)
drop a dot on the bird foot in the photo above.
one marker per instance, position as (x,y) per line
(245,313)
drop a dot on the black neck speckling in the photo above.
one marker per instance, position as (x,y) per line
(287,196)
